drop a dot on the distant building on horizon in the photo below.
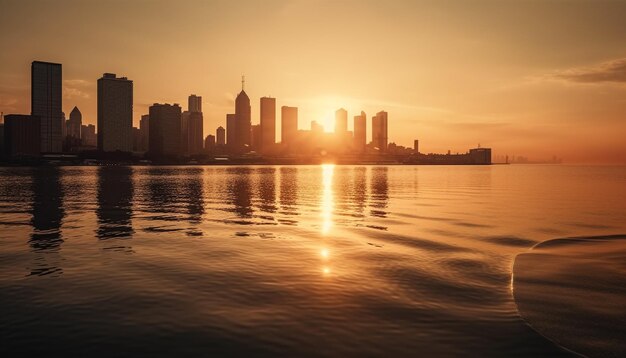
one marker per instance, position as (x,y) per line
(89,137)
(195,126)
(165,128)
(209,143)
(231,130)
(360,132)
(115,113)
(144,132)
(289,125)
(255,138)
(268,124)
(379,131)
(136,139)
(74,123)
(243,126)
(22,135)
(220,134)
(194,103)
(341,122)
(46,103)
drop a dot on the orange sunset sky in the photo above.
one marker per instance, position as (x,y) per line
(531,78)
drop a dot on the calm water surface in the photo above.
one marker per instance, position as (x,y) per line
(292,260)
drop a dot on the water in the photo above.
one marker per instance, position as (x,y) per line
(292,260)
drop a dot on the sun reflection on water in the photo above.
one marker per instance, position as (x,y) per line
(327,203)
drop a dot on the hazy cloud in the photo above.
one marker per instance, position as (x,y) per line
(612,71)
(73,89)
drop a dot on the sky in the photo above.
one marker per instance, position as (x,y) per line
(533,78)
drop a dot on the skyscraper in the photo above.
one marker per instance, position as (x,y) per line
(195,103)
(360,132)
(220,133)
(231,130)
(289,124)
(195,126)
(379,131)
(341,122)
(165,128)
(184,133)
(244,122)
(268,123)
(115,113)
(74,123)
(46,102)
(144,130)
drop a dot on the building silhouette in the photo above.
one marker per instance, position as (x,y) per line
(360,132)
(231,131)
(255,137)
(195,126)
(74,123)
(341,122)
(209,143)
(136,139)
(220,135)
(63,127)
(115,113)
(416,146)
(379,131)
(268,124)
(243,122)
(88,134)
(289,125)
(46,103)
(22,135)
(194,103)
(184,133)
(144,132)
(165,128)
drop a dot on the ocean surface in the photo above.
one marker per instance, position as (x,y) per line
(310,260)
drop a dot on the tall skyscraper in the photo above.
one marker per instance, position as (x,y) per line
(144,130)
(268,123)
(195,126)
(165,130)
(244,122)
(379,131)
(341,122)
(46,103)
(115,113)
(231,130)
(360,132)
(184,133)
(195,103)
(220,134)
(74,123)
(289,124)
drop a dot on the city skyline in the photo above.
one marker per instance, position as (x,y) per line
(457,73)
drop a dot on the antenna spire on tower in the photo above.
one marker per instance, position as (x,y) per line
(243,82)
